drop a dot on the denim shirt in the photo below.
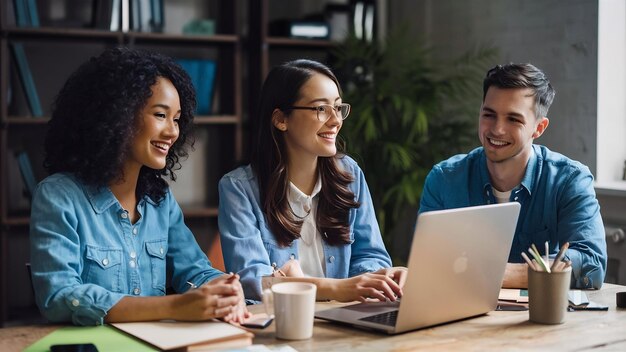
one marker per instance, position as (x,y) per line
(86,255)
(250,248)
(558,205)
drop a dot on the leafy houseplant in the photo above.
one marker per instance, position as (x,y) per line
(409,111)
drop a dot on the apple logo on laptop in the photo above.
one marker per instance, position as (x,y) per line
(460,264)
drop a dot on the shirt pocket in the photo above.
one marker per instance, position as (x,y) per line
(157,252)
(103,267)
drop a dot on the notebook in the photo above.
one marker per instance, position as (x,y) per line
(189,336)
(456,267)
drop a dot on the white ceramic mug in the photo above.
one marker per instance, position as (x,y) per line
(294,309)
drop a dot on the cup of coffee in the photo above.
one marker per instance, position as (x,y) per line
(294,309)
(547,295)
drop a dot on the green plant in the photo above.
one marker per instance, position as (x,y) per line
(409,111)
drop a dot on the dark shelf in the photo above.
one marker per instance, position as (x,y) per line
(299,43)
(16,221)
(182,39)
(61,33)
(27,120)
(216,120)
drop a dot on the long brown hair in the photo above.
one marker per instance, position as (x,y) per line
(269,162)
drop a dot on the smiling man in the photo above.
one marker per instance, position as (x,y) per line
(556,193)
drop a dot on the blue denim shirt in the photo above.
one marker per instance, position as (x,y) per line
(86,255)
(558,205)
(250,248)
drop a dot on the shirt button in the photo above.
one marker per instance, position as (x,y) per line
(331,258)
(75,302)
(292,256)
(133,254)
(516,198)
(132,263)
(105,262)
(124,215)
(136,291)
(134,231)
(161,250)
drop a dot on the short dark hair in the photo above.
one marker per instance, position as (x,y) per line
(269,161)
(93,118)
(522,76)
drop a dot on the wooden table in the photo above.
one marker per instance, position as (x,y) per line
(582,330)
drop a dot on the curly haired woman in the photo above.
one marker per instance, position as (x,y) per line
(106,231)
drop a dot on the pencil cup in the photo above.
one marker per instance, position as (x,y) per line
(547,295)
(294,309)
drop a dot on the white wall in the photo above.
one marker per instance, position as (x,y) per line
(611,93)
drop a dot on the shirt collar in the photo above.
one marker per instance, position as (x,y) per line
(101,198)
(298,200)
(533,170)
(296,195)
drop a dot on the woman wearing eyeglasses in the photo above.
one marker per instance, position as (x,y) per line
(302,210)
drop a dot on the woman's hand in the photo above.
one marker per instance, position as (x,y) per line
(292,268)
(220,298)
(396,273)
(367,286)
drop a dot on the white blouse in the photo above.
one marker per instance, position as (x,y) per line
(310,248)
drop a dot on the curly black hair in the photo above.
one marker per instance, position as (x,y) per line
(93,119)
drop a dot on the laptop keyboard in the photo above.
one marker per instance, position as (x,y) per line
(387,318)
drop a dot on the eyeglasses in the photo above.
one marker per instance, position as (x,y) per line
(325,110)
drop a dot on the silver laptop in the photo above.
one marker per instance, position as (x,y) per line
(456,267)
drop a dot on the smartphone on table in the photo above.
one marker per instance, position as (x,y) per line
(75,347)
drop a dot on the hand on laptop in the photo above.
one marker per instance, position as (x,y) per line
(367,286)
(396,273)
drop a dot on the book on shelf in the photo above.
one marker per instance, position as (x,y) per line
(26,14)
(33,15)
(188,336)
(21,14)
(105,14)
(202,74)
(128,15)
(26,78)
(157,21)
(310,30)
(26,170)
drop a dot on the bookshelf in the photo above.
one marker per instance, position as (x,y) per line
(266,50)
(64,46)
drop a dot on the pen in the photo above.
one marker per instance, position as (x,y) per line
(535,253)
(530,264)
(547,247)
(191,285)
(560,255)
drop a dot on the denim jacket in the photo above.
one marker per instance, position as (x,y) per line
(558,205)
(86,255)
(249,246)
